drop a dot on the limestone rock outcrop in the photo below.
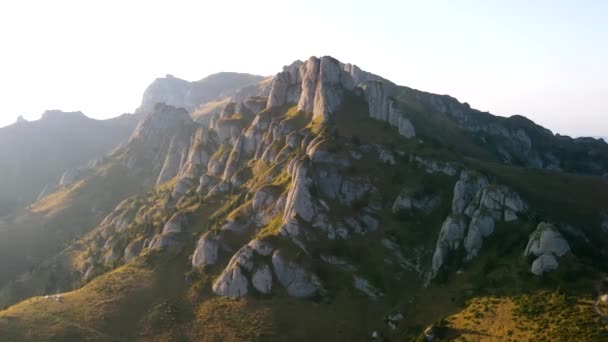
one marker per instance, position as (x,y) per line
(319,84)
(547,244)
(546,239)
(286,86)
(233,282)
(299,200)
(466,188)
(207,249)
(383,107)
(451,235)
(298,281)
(477,206)
(176,224)
(167,241)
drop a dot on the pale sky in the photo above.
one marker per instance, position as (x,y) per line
(547,60)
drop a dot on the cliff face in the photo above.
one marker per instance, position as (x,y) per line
(319,84)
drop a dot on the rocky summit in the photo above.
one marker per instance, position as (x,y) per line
(322,203)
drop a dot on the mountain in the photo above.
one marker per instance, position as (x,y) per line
(47,152)
(324,203)
(189,95)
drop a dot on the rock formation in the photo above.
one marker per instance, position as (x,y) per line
(319,84)
(476,207)
(546,243)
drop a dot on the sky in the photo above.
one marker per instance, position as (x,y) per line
(547,60)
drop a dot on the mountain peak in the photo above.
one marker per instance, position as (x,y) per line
(319,85)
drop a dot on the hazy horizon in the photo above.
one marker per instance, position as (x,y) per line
(547,60)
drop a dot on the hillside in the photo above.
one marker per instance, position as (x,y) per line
(330,204)
(36,154)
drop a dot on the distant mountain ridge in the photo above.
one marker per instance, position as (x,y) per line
(36,153)
(179,93)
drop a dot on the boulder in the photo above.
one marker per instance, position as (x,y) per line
(298,281)
(176,224)
(262,279)
(544,263)
(546,243)
(546,239)
(165,241)
(207,248)
(233,282)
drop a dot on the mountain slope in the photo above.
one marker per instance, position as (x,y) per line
(36,154)
(74,208)
(334,206)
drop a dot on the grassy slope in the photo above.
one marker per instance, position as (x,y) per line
(542,316)
(108,308)
(149,300)
(57,220)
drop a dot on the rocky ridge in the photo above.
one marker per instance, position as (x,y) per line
(215,160)
(268,196)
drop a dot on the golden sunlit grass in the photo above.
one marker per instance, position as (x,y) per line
(542,316)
